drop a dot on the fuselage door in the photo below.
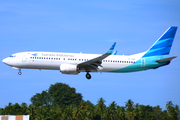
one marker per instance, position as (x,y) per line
(24,58)
(142,62)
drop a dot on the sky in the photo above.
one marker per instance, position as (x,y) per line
(89,27)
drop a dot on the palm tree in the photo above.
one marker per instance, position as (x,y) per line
(129,105)
(101,106)
(121,113)
(129,109)
(76,113)
(90,110)
(113,108)
(31,112)
(136,112)
(24,107)
(170,109)
(157,111)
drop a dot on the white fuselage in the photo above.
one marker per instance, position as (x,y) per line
(53,60)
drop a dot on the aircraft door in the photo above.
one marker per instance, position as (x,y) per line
(142,62)
(24,58)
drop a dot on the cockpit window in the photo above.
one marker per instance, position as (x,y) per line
(12,56)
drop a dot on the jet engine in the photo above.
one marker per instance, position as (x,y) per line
(69,69)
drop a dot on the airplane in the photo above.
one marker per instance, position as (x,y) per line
(73,63)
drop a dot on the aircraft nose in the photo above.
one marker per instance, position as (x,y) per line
(5,61)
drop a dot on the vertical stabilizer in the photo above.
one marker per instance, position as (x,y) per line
(163,45)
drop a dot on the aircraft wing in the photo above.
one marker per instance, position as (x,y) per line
(95,62)
(166,59)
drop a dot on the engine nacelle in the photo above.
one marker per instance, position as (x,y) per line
(69,69)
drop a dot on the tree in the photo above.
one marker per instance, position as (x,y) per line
(121,113)
(58,94)
(62,94)
(145,112)
(41,99)
(157,112)
(31,111)
(90,110)
(173,112)
(24,107)
(112,110)
(82,110)
(101,106)
(129,109)
(15,109)
(136,112)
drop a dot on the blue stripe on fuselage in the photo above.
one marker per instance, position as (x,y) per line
(149,63)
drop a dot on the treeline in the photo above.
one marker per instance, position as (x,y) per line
(60,102)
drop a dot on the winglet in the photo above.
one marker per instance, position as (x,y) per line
(109,52)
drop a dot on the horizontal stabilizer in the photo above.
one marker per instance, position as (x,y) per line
(166,59)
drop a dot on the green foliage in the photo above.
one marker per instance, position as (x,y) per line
(61,102)
(15,109)
(62,94)
(101,106)
(41,99)
(58,94)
